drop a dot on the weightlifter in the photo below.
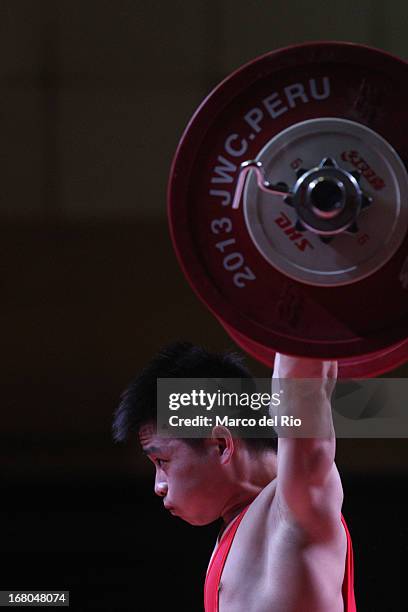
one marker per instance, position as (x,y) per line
(284,545)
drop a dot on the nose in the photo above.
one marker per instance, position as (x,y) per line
(160,488)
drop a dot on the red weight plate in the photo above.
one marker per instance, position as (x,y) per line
(363,366)
(255,300)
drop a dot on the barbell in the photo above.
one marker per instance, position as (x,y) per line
(288,206)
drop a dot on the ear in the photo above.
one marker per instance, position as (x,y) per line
(221,437)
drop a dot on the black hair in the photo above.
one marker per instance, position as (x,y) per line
(178,360)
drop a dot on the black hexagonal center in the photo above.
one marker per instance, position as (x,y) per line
(326,195)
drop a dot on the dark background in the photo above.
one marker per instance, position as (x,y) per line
(94,97)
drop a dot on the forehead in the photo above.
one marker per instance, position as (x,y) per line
(150,441)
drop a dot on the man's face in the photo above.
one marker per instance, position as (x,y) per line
(190,480)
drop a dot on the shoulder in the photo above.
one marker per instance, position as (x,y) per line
(320,519)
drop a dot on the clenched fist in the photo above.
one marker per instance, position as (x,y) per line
(287,366)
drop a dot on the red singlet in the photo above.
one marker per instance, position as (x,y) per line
(213,577)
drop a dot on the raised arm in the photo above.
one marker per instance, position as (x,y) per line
(308,484)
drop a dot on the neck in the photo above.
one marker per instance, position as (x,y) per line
(254,477)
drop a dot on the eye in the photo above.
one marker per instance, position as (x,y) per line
(161,461)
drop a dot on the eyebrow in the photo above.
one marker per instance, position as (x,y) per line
(152,450)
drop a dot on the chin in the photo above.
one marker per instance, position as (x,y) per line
(198,521)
